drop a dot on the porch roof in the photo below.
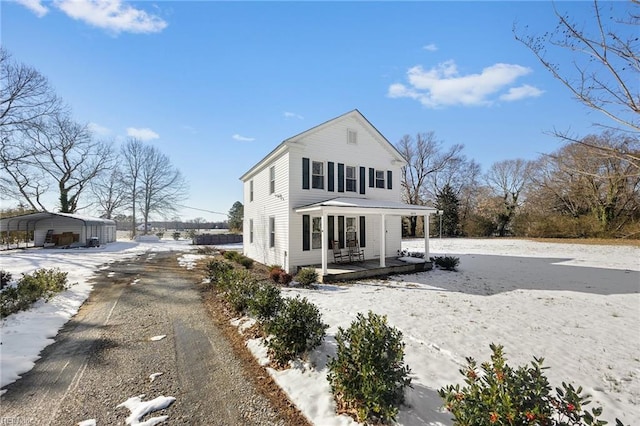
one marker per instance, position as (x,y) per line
(365,206)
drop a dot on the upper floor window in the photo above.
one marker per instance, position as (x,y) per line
(272,179)
(380,179)
(251,190)
(251,231)
(317,175)
(351,179)
(352,137)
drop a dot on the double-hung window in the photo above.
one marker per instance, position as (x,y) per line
(272,179)
(380,179)
(272,231)
(351,179)
(251,231)
(251,190)
(317,175)
(316,233)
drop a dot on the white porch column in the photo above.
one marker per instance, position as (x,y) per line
(426,237)
(383,242)
(324,248)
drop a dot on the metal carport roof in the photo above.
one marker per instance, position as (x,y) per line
(27,222)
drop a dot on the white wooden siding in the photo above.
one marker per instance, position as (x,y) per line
(263,206)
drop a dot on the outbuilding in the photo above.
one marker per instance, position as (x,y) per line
(46,229)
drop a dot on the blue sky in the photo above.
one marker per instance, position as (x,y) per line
(217,85)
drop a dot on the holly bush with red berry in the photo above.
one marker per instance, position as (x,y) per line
(497,395)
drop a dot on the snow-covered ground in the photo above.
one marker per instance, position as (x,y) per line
(578,306)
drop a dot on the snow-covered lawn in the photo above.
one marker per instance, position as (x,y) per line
(536,299)
(542,299)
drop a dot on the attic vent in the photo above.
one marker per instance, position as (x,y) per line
(352,137)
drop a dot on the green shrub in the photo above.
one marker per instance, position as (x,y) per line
(176,235)
(506,396)
(5,278)
(307,276)
(231,255)
(160,235)
(297,328)
(449,263)
(368,374)
(42,284)
(217,270)
(238,289)
(266,303)
(245,261)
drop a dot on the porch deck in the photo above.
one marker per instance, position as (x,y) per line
(367,269)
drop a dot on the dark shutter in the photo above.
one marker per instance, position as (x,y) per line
(306,232)
(305,173)
(330,225)
(372,178)
(362,180)
(330,176)
(341,231)
(340,177)
(363,232)
(389,179)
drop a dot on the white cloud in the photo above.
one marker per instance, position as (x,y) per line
(431,47)
(242,138)
(524,91)
(35,6)
(112,15)
(443,85)
(99,130)
(142,134)
(293,115)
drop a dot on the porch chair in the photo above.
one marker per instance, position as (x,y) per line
(355,252)
(338,255)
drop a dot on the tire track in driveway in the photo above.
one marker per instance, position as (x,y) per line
(104,356)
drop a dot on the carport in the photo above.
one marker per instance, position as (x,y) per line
(46,229)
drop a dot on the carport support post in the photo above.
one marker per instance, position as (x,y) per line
(426,237)
(383,242)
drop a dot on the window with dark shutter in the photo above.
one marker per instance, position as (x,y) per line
(305,173)
(380,179)
(363,189)
(372,178)
(306,232)
(330,176)
(340,177)
(352,181)
(389,179)
(363,232)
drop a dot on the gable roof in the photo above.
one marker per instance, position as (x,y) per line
(284,145)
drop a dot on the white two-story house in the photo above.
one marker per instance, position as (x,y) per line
(338,181)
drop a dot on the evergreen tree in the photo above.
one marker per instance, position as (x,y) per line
(236,216)
(447,201)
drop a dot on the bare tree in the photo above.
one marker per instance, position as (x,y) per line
(68,154)
(603,66)
(507,179)
(132,154)
(424,156)
(163,186)
(110,192)
(155,186)
(582,179)
(26,96)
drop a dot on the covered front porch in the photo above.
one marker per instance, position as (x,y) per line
(367,269)
(381,262)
